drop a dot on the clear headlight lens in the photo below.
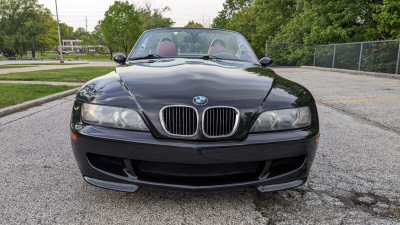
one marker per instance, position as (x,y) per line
(284,119)
(112,117)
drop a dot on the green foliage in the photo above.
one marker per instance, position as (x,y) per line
(380,57)
(96,39)
(153,17)
(79,74)
(14,34)
(193,24)
(309,22)
(80,33)
(25,25)
(42,30)
(11,94)
(230,7)
(291,55)
(66,32)
(122,25)
(387,16)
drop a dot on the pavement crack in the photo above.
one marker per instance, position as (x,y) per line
(289,203)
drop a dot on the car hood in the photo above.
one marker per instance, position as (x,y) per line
(156,87)
(149,87)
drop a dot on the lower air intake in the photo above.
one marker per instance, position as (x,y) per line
(200,174)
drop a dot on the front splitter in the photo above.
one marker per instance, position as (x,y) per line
(112,185)
(134,188)
(282,186)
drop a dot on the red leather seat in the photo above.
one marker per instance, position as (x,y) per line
(216,48)
(166,48)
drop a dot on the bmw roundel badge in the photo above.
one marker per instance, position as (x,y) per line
(200,100)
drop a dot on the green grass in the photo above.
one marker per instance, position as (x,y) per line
(35,65)
(11,94)
(80,74)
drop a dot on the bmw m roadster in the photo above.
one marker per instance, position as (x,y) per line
(193,109)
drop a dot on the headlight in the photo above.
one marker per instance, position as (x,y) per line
(283,119)
(112,117)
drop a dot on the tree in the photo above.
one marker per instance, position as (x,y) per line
(66,31)
(96,39)
(230,7)
(193,24)
(25,25)
(42,30)
(387,17)
(14,15)
(310,22)
(79,33)
(244,22)
(152,17)
(122,25)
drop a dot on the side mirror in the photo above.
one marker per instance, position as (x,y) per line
(266,62)
(119,58)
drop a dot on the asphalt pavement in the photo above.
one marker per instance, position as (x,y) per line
(355,178)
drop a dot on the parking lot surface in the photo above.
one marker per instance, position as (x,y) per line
(355,177)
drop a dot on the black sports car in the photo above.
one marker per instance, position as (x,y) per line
(194,109)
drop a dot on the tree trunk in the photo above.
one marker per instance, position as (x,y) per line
(126,50)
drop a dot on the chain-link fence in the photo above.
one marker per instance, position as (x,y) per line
(290,54)
(377,56)
(373,56)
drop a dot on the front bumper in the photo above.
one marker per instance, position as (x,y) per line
(128,146)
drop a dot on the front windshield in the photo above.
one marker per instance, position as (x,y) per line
(193,43)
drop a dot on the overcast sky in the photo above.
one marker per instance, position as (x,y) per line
(73,12)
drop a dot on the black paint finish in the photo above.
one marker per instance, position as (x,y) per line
(148,85)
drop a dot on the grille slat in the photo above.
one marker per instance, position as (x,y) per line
(179,120)
(220,121)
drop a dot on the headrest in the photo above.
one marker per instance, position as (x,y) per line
(166,48)
(216,48)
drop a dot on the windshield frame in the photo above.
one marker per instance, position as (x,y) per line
(183,29)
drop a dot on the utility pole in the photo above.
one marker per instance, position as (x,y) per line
(86,24)
(59,36)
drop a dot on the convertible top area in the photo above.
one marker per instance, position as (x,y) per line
(172,42)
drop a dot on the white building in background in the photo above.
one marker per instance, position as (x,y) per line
(71,44)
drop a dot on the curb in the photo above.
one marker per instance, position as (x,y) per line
(35,102)
(373,74)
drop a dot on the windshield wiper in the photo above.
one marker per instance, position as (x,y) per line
(151,56)
(208,57)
